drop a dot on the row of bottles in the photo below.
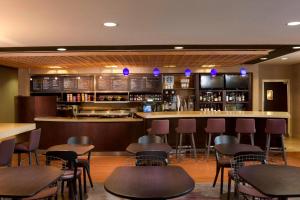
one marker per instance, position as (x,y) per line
(210,97)
(145,97)
(80,97)
(236,97)
(211,107)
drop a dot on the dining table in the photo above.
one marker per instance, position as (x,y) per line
(232,149)
(137,147)
(79,149)
(149,182)
(275,181)
(22,182)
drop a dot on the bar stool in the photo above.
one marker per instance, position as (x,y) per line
(6,152)
(275,127)
(160,128)
(214,126)
(29,146)
(245,127)
(186,127)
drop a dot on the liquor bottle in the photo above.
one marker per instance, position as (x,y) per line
(200,97)
(219,97)
(243,97)
(227,97)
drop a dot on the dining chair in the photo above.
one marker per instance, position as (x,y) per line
(240,160)
(83,161)
(151,158)
(215,126)
(148,139)
(71,174)
(30,146)
(222,161)
(6,152)
(160,128)
(186,127)
(245,127)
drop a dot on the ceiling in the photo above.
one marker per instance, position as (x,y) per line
(76,23)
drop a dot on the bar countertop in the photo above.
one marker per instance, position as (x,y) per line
(86,119)
(196,114)
(12,129)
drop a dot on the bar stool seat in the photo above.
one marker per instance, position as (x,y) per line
(215,126)
(160,128)
(186,127)
(245,127)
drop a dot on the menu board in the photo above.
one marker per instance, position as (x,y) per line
(112,83)
(45,84)
(137,84)
(36,84)
(103,83)
(70,83)
(85,83)
(153,84)
(119,83)
(146,83)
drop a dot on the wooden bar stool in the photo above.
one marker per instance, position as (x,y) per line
(160,128)
(214,126)
(275,127)
(245,127)
(30,146)
(186,127)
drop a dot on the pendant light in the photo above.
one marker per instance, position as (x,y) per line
(243,71)
(187,72)
(156,72)
(125,71)
(213,72)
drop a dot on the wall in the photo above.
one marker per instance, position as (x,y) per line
(295,100)
(8,90)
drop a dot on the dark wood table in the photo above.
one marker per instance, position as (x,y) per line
(21,182)
(232,149)
(136,147)
(279,181)
(78,148)
(149,182)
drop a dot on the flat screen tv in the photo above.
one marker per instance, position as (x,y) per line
(236,81)
(209,82)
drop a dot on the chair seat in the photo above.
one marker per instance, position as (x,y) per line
(69,174)
(82,161)
(24,146)
(225,161)
(45,193)
(248,190)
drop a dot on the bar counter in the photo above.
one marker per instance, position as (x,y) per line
(86,119)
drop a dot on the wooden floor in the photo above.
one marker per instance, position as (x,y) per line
(201,170)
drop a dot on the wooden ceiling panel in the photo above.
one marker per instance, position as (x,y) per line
(138,59)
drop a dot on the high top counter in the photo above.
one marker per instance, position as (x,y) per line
(206,114)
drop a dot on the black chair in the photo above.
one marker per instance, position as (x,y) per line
(71,174)
(83,161)
(148,139)
(151,158)
(240,160)
(222,161)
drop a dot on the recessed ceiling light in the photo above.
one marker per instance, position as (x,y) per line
(110,24)
(169,66)
(298,47)
(293,23)
(111,66)
(55,67)
(284,58)
(264,58)
(208,66)
(178,47)
(61,49)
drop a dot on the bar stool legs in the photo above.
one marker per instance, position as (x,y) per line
(251,138)
(208,145)
(282,149)
(193,144)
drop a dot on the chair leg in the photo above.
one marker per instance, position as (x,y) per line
(62,187)
(36,157)
(177,145)
(208,145)
(84,179)
(29,154)
(268,146)
(283,150)
(252,139)
(90,178)
(79,187)
(239,137)
(229,187)
(216,176)
(19,159)
(222,178)
(180,143)
(194,145)
(166,139)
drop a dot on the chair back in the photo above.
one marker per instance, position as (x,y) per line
(34,139)
(85,140)
(151,158)
(276,126)
(160,127)
(6,151)
(148,139)
(186,126)
(245,126)
(226,139)
(215,125)
(69,156)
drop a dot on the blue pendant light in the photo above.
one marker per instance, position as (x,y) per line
(125,71)
(213,72)
(156,71)
(187,72)
(243,71)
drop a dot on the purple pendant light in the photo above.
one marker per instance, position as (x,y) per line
(213,72)
(243,71)
(156,71)
(125,71)
(187,72)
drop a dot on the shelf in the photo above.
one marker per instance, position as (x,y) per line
(75,102)
(237,90)
(237,102)
(180,89)
(116,102)
(208,102)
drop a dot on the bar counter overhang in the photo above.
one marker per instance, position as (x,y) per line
(115,134)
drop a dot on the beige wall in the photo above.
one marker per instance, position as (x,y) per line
(295,111)
(8,90)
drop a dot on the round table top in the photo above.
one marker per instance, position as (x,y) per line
(273,180)
(149,182)
(232,149)
(136,147)
(78,148)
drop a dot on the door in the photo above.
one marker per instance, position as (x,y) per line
(276,96)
